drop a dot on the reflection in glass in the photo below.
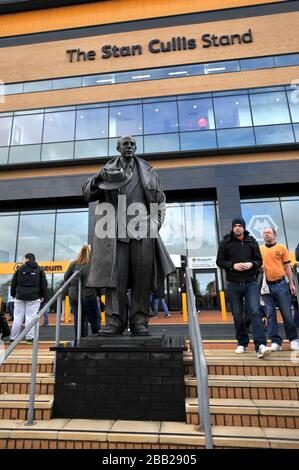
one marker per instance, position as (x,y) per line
(196,115)
(160,118)
(274,134)
(8,237)
(3,155)
(259,215)
(59,126)
(71,234)
(36,235)
(269,108)
(5,129)
(286,60)
(257,63)
(296,130)
(60,151)
(201,229)
(91,148)
(161,143)
(5,282)
(232,111)
(198,140)
(27,129)
(23,154)
(92,124)
(235,137)
(44,85)
(290,210)
(173,230)
(125,120)
(294,104)
(73,82)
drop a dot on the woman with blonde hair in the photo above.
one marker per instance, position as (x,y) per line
(90,306)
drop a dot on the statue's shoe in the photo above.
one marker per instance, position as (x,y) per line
(139,330)
(109,331)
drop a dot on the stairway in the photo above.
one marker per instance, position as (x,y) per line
(254,404)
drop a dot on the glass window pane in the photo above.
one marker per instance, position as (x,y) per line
(113,145)
(201,229)
(286,60)
(198,140)
(160,118)
(96,80)
(235,137)
(173,231)
(91,148)
(63,83)
(125,120)
(5,281)
(269,108)
(274,134)
(27,129)
(290,210)
(61,151)
(3,155)
(26,153)
(296,130)
(38,86)
(71,234)
(36,235)
(5,129)
(161,143)
(196,115)
(13,89)
(59,126)
(262,214)
(293,97)
(92,124)
(232,111)
(198,69)
(8,237)
(222,67)
(257,63)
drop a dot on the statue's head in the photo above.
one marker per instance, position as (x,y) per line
(126,146)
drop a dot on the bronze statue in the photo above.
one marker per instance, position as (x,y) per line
(127,251)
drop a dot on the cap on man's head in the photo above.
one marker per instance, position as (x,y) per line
(239,220)
(30,256)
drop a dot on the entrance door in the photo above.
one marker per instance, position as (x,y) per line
(174,300)
(206,289)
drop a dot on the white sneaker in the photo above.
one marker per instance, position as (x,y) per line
(240,349)
(294,345)
(276,347)
(263,351)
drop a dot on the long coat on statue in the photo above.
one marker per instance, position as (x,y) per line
(103,269)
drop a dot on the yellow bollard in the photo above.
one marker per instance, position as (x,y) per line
(103,314)
(67,317)
(223,306)
(184,305)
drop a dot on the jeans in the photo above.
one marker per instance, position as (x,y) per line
(156,307)
(279,296)
(90,313)
(249,292)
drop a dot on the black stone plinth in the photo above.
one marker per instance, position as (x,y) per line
(134,378)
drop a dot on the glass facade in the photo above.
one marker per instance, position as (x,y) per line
(234,119)
(279,213)
(132,76)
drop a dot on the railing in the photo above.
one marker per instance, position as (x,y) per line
(199,365)
(35,324)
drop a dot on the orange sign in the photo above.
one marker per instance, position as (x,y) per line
(50,267)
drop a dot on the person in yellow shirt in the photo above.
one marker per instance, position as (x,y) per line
(276,265)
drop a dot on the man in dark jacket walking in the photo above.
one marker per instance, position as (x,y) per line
(240,256)
(29,288)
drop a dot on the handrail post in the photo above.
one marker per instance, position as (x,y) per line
(30,415)
(58,320)
(79,314)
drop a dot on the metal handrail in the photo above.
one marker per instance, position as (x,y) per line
(200,365)
(35,323)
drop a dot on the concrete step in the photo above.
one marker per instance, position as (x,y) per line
(223,362)
(109,434)
(16,406)
(248,387)
(250,413)
(19,383)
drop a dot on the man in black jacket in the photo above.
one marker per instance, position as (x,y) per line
(29,288)
(240,256)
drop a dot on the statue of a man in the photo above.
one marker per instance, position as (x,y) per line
(133,255)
